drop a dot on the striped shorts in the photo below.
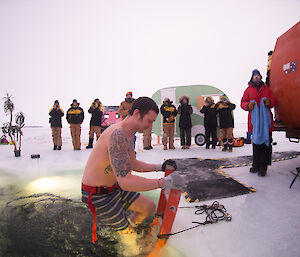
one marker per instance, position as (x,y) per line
(111,207)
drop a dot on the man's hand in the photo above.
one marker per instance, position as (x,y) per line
(251,106)
(174,181)
(267,102)
(168,162)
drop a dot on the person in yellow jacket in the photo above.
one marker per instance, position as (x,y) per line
(96,110)
(125,106)
(75,117)
(55,120)
(169,112)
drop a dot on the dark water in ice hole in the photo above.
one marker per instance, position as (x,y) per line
(48,224)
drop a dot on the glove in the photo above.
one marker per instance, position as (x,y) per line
(166,163)
(267,102)
(251,106)
(174,181)
(171,118)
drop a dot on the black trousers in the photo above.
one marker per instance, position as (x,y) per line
(185,136)
(211,133)
(262,155)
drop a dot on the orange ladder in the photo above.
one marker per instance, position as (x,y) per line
(166,210)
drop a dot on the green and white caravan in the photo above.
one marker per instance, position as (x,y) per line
(197,94)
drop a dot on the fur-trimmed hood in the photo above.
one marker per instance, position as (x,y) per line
(184,97)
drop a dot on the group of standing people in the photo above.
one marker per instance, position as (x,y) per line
(256,98)
(75,117)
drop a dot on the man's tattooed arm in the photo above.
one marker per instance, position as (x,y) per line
(119,152)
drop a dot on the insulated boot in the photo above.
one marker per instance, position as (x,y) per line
(55,147)
(59,148)
(253,170)
(90,145)
(230,144)
(262,171)
(225,145)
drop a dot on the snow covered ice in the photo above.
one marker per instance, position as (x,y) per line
(265,223)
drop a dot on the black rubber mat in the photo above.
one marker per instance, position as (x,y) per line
(207,180)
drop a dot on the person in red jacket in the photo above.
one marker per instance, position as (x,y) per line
(256,90)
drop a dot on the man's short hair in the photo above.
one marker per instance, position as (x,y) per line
(144,105)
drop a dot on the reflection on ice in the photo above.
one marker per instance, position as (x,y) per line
(67,186)
(45,184)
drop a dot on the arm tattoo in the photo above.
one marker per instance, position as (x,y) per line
(120,152)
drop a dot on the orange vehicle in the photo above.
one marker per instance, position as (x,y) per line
(285,82)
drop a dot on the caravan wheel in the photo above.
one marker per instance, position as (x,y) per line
(200,139)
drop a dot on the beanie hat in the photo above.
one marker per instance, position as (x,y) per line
(255,72)
(74,101)
(166,99)
(224,97)
(56,102)
(129,93)
(209,97)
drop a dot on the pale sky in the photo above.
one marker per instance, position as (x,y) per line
(86,49)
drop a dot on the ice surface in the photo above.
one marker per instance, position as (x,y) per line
(265,223)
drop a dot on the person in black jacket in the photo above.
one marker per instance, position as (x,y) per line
(185,123)
(210,122)
(96,110)
(169,112)
(224,109)
(55,120)
(75,117)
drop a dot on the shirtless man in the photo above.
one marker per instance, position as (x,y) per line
(108,185)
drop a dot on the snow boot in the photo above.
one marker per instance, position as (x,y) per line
(225,145)
(253,170)
(230,144)
(90,145)
(59,148)
(262,171)
(55,147)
